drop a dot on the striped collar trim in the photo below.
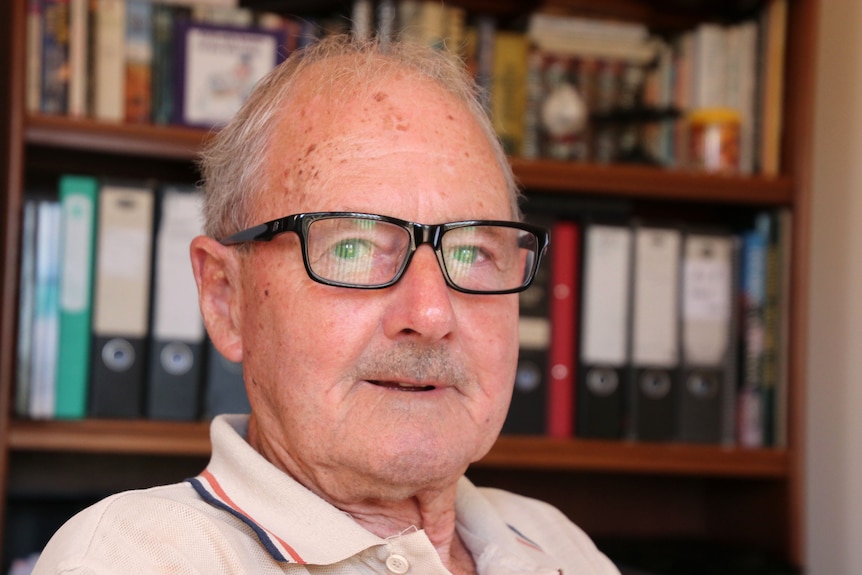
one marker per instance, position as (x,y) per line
(209,489)
(524,540)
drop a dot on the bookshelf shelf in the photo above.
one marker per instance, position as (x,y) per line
(511,452)
(182,144)
(162,142)
(111,436)
(650,182)
(642,458)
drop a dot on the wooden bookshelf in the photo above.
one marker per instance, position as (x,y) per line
(170,438)
(752,497)
(163,142)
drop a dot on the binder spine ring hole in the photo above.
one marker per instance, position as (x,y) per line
(118,355)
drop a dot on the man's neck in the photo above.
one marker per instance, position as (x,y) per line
(433,512)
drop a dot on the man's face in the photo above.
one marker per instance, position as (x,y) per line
(376,393)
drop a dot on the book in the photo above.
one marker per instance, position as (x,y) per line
(742,45)
(542,24)
(454,30)
(55,57)
(362,19)
(46,312)
(508,89)
(138,62)
(108,65)
(232,16)
(750,409)
(26,305)
(774,30)
(653,375)
(591,37)
(769,224)
(782,376)
(709,67)
(387,20)
(79,24)
(534,92)
(603,350)
(78,201)
(216,68)
(176,346)
(121,301)
(33,72)
(485,32)
(162,75)
(563,311)
(708,382)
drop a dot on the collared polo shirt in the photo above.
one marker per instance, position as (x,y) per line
(244,515)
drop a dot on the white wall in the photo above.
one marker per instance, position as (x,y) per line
(834,403)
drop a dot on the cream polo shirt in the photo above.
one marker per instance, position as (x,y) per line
(243,515)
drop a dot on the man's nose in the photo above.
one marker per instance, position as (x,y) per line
(421,301)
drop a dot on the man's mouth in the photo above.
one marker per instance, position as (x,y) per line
(402,386)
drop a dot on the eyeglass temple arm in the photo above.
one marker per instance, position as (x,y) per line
(259,233)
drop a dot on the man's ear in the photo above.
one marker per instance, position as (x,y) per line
(217,275)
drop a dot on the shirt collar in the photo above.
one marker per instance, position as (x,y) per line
(294,525)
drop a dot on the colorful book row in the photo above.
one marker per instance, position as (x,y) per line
(576,89)
(109,323)
(565,87)
(662,333)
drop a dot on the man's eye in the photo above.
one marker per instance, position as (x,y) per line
(351,249)
(465,254)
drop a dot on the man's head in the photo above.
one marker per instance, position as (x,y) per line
(363,393)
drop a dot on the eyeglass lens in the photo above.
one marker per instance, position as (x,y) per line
(366,252)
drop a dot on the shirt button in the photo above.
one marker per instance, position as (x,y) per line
(397,564)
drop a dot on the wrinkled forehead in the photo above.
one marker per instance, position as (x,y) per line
(350,113)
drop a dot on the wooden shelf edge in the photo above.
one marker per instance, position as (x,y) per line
(636,458)
(110,436)
(180,438)
(649,182)
(164,142)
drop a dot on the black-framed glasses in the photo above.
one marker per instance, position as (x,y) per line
(369,251)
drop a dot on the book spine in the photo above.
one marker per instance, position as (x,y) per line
(563,298)
(45,313)
(109,64)
(138,61)
(772,86)
(33,90)
(26,305)
(768,224)
(78,59)
(55,56)
(750,398)
(486,30)
(508,92)
(78,200)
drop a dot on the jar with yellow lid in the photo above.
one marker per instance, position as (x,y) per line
(714,139)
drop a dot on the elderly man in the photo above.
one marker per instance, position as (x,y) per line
(368,257)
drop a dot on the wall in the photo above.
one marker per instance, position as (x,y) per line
(834,403)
